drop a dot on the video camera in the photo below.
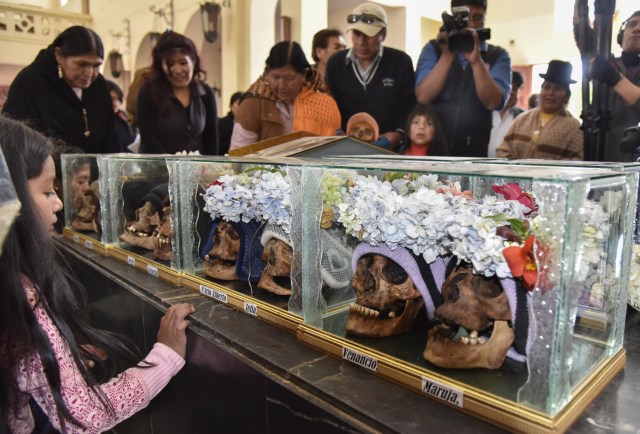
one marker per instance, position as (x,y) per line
(455,24)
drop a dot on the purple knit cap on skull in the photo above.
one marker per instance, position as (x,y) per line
(412,265)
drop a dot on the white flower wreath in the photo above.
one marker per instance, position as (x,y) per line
(258,194)
(430,218)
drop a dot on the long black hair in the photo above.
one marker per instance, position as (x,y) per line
(438,144)
(29,251)
(78,40)
(169,43)
(289,53)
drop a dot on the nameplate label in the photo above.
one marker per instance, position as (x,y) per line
(360,359)
(88,245)
(152,270)
(210,292)
(76,238)
(448,394)
(251,308)
(131,261)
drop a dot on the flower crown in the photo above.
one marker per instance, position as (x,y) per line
(258,193)
(432,218)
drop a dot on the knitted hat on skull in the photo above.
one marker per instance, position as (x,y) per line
(518,299)
(427,278)
(157,196)
(335,265)
(250,264)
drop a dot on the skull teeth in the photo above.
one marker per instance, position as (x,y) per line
(364,311)
(473,339)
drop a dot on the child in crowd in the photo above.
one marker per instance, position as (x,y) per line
(424,133)
(43,320)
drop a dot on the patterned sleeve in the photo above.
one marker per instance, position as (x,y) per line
(128,393)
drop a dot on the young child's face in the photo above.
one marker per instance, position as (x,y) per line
(421,131)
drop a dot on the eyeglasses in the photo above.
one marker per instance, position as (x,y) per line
(365,18)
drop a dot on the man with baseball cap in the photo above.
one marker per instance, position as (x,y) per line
(372,78)
(465,87)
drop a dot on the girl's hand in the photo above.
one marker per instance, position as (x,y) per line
(173,326)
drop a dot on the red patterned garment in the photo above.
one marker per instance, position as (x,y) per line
(128,393)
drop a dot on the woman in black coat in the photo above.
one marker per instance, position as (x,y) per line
(62,94)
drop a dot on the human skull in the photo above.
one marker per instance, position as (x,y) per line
(363,131)
(276,275)
(387,301)
(139,233)
(220,262)
(163,237)
(88,214)
(475,329)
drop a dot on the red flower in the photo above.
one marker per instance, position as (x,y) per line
(514,192)
(216,182)
(522,262)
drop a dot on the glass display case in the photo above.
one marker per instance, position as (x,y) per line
(593,316)
(464,282)
(82,200)
(467,281)
(239,233)
(138,214)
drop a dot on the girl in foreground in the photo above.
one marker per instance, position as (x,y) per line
(43,319)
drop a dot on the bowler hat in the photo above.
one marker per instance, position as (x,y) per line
(559,72)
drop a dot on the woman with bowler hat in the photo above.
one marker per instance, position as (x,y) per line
(549,131)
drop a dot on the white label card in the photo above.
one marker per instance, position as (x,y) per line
(88,244)
(210,292)
(131,261)
(152,270)
(448,394)
(251,308)
(360,359)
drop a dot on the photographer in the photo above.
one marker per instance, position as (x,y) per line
(464,86)
(622,74)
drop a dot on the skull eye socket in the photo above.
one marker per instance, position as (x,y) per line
(150,211)
(454,293)
(486,288)
(394,273)
(233,234)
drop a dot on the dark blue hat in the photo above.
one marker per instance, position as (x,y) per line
(250,263)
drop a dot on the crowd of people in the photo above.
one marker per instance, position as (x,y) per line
(459,101)
(465,89)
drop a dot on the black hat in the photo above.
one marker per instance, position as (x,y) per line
(559,72)
(456,3)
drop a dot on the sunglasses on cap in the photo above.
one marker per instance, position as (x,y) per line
(365,18)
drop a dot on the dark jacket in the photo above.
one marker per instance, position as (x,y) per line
(388,97)
(49,105)
(225,131)
(178,128)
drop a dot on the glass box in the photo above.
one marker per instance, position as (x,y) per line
(444,250)
(83,202)
(239,233)
(138,214)
(634,286)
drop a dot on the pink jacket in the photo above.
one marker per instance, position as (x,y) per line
(128,393)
